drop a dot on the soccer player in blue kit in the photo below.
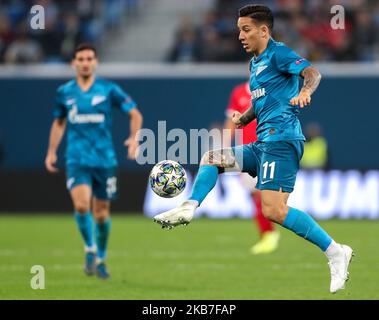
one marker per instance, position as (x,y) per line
(84,106)
(275,157)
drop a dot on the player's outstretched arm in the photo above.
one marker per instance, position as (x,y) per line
(312,78)
(56,133)
(131,143)
(241,120)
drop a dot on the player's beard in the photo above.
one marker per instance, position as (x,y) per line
(86,75)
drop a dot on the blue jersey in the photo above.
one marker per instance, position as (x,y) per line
(274,81)
(89,120)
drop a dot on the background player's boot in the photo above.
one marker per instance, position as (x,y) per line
(89,266)
(339,265)
(177,216)
(268,243)
(101,270)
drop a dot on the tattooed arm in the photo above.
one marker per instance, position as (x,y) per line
(312,79)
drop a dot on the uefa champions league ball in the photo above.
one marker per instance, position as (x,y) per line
(168,179)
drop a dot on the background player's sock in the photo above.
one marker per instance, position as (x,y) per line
(304,226)
(102,235)
(205,181)
(85,225)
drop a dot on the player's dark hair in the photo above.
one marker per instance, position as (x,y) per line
(84,46)
(258,12)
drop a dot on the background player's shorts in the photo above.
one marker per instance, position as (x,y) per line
(274,163)
(103,181)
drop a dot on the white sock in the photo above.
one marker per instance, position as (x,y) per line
(333,249)
(194,203)
(92,249)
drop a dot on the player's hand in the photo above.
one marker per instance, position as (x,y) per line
(50,161)
(302,100)
(236,119)
(132,145)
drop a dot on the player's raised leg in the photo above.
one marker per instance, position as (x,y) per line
(101,212)
(81,198)
(274,205)
(212,164)
(205,181)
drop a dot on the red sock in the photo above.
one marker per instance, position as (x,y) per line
(263,224)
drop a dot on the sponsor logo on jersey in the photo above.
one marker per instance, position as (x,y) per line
(260,69)
(257,93)
(74,117)
(299,61)
(97,99)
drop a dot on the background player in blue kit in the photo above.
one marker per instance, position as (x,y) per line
(84,106)
(275,157)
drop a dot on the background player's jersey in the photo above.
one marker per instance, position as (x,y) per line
(89,120)
(273,83)
(240,100)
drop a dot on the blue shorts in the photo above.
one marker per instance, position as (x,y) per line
(103,181)
(274,163)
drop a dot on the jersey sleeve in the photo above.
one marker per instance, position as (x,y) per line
(121,99)
(59,110)
(288,61)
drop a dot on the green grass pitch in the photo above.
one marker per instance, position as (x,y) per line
(208,259)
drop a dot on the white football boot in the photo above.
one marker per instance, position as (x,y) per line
(181,215)
(339,265)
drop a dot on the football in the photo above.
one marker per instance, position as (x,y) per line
(168,179)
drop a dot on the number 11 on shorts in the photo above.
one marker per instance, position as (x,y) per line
(266,165)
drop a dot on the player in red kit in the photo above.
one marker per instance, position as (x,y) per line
(240,100)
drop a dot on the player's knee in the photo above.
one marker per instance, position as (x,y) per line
(101,212)
(274,212)
(101,215)
(207,158)
(268,211)
(221,158)
(101,219)
(82,207)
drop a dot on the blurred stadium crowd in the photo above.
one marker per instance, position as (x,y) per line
(303,25)
(67,23)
